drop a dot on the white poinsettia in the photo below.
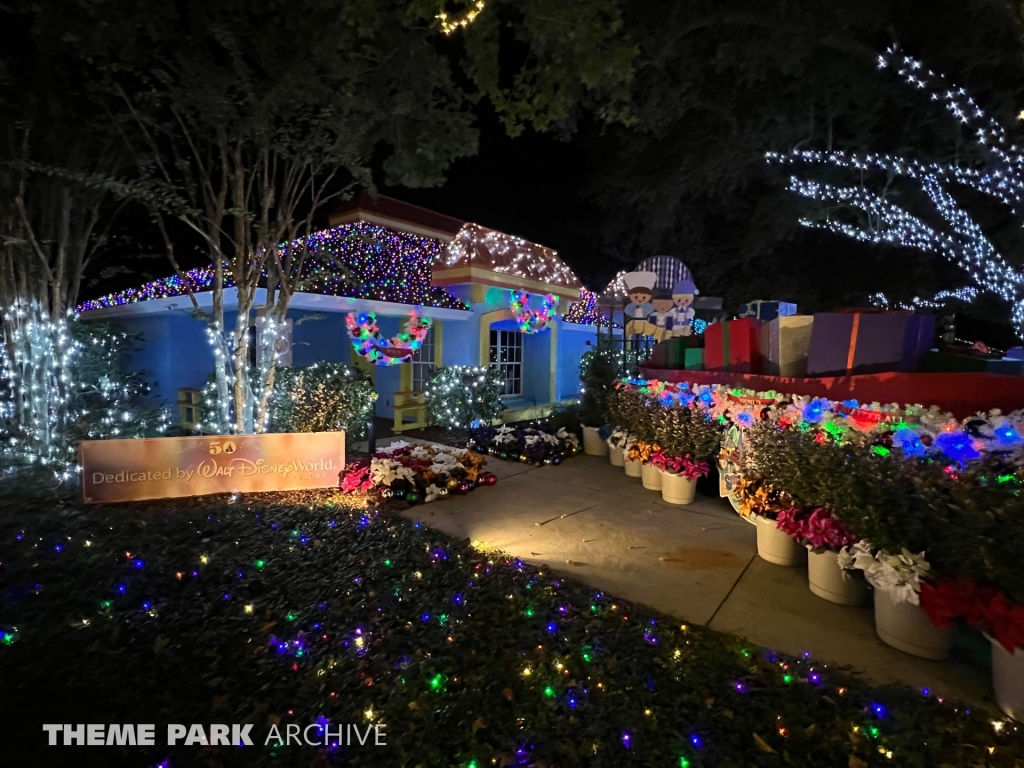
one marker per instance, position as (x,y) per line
(619,438)
(505,435)
(433,493)
(394,447)
(568,437)
(443,463)
(899,576)
(421,452)
(386,471)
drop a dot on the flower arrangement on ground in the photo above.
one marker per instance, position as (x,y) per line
(417,473)
(530,445)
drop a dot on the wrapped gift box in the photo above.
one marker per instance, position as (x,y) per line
(767,310)
(693,359)
(856,342)
(946,361)
(682,352)
(785,342)
(733,346)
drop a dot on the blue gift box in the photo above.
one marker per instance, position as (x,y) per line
(767,310)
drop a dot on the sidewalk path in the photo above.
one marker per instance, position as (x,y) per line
(587,520)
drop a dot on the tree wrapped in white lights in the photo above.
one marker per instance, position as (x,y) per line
(958,238)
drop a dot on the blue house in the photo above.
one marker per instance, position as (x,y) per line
(390,258)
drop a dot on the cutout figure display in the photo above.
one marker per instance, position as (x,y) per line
(683,294)
(660,322)
(639,288)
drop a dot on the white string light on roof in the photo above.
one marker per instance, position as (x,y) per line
(938,301)
(478,246)
(963,242)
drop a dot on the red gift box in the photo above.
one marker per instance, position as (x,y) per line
(733,346)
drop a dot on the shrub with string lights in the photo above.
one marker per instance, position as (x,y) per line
(459,395)
(322,397)
(63,382)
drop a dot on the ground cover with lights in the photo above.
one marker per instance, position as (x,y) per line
(308,609)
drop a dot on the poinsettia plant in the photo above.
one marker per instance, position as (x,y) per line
(983,606)
(817,527)
(679,465)
(900,576)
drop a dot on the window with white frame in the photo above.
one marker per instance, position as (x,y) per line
(507,357)
(423,366)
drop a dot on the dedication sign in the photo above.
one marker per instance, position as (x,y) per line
(171,467)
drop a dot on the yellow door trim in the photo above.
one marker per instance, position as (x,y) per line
(486,320)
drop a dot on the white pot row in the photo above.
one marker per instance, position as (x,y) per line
(904,626)
(593,444)
(675,489)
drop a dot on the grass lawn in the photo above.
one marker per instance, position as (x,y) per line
(303,610)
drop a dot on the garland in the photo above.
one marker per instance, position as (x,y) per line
(532,320)
(367,341)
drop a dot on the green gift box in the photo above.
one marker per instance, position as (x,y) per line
(693,359)
(682,352)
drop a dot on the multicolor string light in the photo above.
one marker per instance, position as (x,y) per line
(962,242)
(367,341)
(532,320)
(584,311)
(358,260)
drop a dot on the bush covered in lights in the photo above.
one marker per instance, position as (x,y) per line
(322,397)
(459,395)
(87,393)
(599,369)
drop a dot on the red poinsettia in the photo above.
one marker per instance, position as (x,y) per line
(818,527)
(356,477)
(983,606)
(679,465)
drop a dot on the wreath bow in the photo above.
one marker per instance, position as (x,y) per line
(367,341)
(532,320)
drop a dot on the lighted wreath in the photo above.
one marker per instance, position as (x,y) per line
(368,342)
(532,320)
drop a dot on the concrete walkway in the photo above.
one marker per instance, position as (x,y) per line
(588,520)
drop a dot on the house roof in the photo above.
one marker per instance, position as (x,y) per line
(386,250)
(396,214)
(486,256)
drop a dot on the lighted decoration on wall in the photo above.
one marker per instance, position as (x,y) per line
(532,320)
(367,341)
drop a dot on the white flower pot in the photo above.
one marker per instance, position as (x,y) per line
(775,546)
(617,456)
(593,445)
(906,627)
(676,489)
(1008,680)
(651,476)
(827,580)
(633,468)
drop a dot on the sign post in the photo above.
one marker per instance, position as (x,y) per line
(173,467)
